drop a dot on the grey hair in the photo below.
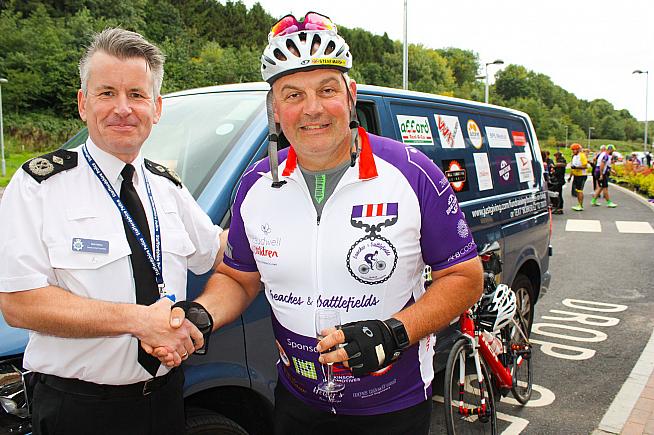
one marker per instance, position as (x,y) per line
(124,44)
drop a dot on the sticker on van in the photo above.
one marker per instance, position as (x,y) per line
(519,138)
(449,131)
(525,172)
(474,133)
(498,137)
(482,167)
(415,130)
(504,172)
(455,172)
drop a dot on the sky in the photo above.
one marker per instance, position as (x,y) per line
(588,47)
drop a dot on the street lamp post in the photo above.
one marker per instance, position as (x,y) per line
(496,62)
(589,129)
(2,136)
(566,136)
(646,91)
(405,53)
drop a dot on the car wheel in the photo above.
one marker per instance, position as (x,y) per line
(206,422)
(524,293)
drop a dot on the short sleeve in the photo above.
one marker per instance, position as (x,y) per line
(238,254)
(24,260)
(445,237)
(204,235)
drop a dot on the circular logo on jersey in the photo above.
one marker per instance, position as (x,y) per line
(372,260)
(474,133)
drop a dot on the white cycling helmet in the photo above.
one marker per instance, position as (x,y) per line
(304,45)
(497,309)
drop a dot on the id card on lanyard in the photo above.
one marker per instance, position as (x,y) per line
(155,260)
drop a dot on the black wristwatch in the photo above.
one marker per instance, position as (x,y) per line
(398,331)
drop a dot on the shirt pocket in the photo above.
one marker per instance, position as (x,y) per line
(72,254)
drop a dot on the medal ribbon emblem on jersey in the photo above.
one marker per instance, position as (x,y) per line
(155,260)
(372,259)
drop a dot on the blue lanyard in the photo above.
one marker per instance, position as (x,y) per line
(155,261)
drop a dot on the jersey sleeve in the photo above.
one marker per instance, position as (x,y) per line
(24,260)
(445,237)
(238,254)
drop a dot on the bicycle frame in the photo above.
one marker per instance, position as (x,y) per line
(502,374)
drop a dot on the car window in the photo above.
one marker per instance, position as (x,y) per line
(196,132)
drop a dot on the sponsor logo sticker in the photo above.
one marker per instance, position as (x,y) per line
(323,61)
(474,133)
(449,131)
(498,137)
(519,138)
(525,172)
(504,171)
(482,167)
(305,368)
(415,130)
(455,172)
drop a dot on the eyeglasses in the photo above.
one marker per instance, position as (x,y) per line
(311,21)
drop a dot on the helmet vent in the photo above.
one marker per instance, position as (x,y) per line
(269,60)
(330,47)
(279,55)
(315,44)
(292,48)
(339,51)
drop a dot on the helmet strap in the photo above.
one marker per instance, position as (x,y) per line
(354,127)
(273,138)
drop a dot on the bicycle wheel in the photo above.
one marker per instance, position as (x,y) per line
(521,369)
(469,408)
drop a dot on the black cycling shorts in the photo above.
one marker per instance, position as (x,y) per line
(603,182)
(579,182)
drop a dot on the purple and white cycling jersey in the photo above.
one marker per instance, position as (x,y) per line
(389,216)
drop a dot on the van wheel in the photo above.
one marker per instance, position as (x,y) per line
(205,422)
(524,293)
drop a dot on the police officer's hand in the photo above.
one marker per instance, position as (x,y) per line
(179,339)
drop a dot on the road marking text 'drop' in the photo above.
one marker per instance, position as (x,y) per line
(593,336)
(584,319)
(601,307)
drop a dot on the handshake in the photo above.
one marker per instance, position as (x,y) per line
(172,332)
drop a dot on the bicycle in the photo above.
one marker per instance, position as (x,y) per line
(491,358)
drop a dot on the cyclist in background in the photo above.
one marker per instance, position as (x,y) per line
(578,168)
(341,194)
(603,170)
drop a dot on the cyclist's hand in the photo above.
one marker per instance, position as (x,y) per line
(369,346)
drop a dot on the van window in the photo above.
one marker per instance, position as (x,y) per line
(482,154)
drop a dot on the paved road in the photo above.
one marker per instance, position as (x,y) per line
(612,271)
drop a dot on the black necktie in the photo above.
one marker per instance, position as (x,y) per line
(147,291)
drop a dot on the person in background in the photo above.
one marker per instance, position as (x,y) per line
(578,168)
(603,170)
(593,165)
(648,159)
(557,179)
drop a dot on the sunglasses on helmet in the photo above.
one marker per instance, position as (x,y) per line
(311,21)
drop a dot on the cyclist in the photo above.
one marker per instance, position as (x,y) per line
(340,197)
(603,170)
(578,168)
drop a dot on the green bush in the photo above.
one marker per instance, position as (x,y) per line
(40,132)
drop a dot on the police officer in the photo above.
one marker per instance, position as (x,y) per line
(95,244)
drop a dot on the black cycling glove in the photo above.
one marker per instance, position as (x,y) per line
(370,346)
(200,317)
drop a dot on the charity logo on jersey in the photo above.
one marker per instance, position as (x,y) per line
(455,172)
(452,205)
(372,259)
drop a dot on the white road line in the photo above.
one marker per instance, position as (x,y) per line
(624,401)
(589,226)
(634,227)
(516,426)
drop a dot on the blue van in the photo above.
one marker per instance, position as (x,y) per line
(489,154)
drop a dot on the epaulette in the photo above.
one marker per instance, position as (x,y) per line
(158,169)
(45,166)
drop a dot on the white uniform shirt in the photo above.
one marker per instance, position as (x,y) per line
(38,226)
